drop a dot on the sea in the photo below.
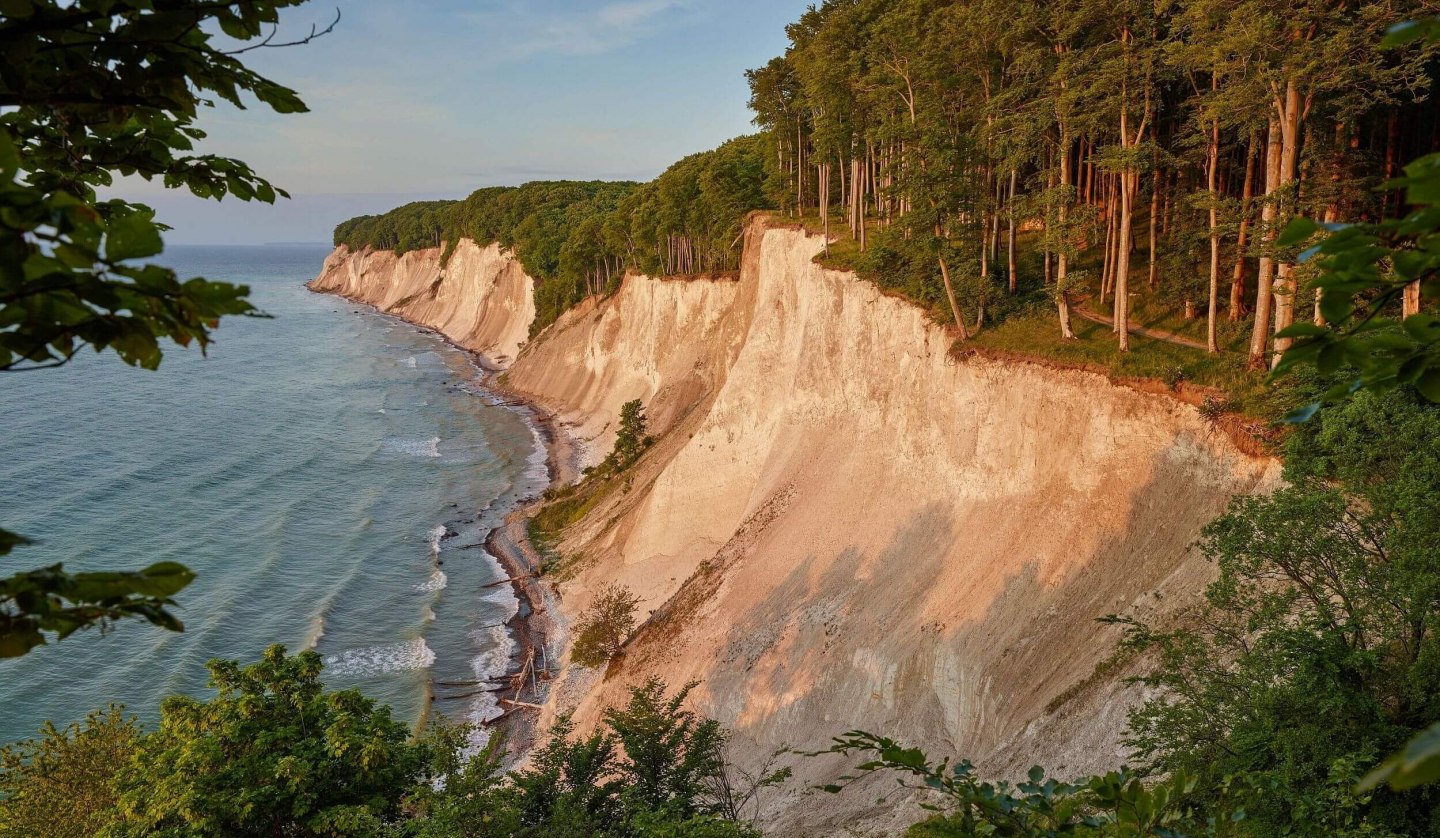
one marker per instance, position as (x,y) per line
(330,474)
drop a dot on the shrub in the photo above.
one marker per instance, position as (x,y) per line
(603,627)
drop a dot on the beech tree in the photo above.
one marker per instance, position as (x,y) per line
(957,125)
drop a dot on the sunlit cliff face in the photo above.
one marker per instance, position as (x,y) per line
(843,526)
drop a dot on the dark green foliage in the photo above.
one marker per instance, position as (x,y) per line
(271,753)
(1115,805)
(1315,653)
(1363,273)
(671,754)
(274,753)
(62,785)
(414,226)
(95,89)
(654,771)
(1417,764)
(631,439)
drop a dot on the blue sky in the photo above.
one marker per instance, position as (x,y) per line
(434,99)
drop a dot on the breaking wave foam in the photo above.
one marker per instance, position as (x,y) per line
(436,533)
(382,660)
(437,582)
(493,661)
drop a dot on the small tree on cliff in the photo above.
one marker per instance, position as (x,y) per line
(604,626)
(632,439)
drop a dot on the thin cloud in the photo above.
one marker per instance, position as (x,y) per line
(524,30)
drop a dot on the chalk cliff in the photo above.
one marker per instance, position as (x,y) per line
(842,525)
(480,298)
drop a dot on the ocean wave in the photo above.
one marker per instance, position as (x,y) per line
(489,665)
(436,582)
(314,632)
(414,447)
(382,660)
(538,463)
(436,534)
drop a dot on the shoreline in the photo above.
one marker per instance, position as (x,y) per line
(537,629)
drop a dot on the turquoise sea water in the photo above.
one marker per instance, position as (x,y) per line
(329,474)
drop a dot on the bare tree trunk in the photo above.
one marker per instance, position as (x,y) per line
(1410,302)
(1128,188)
(1212,165)
(1260,334)
(1237,285)
(1154,229)
(950,295)
(1107,270)
(822,175)
(1010,206)
(1062,264)
(1290,113)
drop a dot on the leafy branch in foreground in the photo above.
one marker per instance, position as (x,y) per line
(1366,272)
(93,90)
(49,600)
(1114,804)
(1417,764)
(90,90)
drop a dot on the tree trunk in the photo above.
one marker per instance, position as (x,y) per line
(950,295)
(1112,232)
(1062,256)
(1154,228)
(1410,302)
(1014,272)
(1128,188)
(823,176)
(1237,286)
(1212,165)
(1260,333)
(1289,113)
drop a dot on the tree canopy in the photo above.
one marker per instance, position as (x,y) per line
(579,238)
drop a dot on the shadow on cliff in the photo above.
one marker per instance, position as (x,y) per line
(845,643)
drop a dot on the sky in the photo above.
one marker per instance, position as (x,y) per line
(422,100)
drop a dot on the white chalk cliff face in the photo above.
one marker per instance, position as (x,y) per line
(843,526)
(481,298)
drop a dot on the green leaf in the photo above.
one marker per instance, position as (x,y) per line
(9,541)
(1301,329)
(1423,327)
(1429,384)
(1336,307)
(17,641)
(9,156)
(1299,230)
(163,579)
(1417,764)
(1302,414)
(132,236)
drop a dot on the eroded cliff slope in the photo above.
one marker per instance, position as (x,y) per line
(843,526)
